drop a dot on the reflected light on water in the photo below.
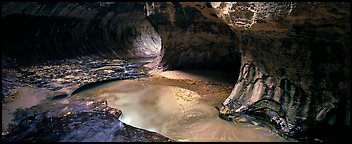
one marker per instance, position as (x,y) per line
(175,112)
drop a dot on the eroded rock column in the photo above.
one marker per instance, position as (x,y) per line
(294,70)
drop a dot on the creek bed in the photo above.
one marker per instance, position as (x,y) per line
(181,109)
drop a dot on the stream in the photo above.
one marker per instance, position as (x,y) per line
(169,107)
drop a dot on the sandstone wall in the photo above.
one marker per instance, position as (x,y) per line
(295,58)
(51,30)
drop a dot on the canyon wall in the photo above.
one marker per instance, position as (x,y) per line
(35,31)
(295,61)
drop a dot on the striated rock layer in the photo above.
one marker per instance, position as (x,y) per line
(294,70)
(35,31)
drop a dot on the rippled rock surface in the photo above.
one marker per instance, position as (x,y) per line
(71,73)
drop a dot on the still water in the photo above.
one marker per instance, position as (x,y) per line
(169,108)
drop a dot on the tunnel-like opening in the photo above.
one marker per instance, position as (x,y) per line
(192,41)
(30,37)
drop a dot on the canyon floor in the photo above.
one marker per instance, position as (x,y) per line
(115,100)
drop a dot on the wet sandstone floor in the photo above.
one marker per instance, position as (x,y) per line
(37,105)
(24,86)
(179,105)
(176,104)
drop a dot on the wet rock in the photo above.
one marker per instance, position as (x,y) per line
(8,83)
(74,120)
(56,75)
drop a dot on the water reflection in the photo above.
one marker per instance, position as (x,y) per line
(175,112)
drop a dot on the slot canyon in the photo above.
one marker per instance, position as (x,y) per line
(175,71)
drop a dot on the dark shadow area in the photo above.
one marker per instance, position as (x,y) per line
(57,33)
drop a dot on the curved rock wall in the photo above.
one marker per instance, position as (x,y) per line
(303,65)
(192,41)
(41,31)
(294,58)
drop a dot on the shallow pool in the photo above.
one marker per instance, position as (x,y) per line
(167,107)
